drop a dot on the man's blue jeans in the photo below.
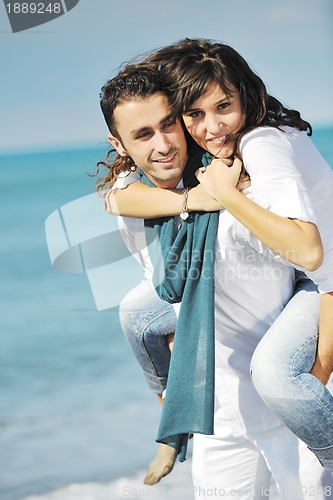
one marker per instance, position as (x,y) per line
(280,364)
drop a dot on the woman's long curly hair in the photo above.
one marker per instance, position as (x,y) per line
(190,68)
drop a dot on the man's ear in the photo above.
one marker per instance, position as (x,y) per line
(116,143)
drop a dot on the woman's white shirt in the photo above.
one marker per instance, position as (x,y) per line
(291,178)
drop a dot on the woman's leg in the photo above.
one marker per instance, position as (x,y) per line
(148,323)
(280,371)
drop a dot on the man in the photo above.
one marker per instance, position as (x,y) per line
(164,162)
(250,442)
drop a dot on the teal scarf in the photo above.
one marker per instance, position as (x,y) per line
(184,270)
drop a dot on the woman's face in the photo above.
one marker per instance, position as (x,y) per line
(212,118)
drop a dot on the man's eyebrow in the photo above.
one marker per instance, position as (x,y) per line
(138,131)
(170,116)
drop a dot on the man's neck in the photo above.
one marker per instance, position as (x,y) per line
(168,184)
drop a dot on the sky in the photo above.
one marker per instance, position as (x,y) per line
(51,75)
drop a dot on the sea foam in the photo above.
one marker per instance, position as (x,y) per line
(177,485)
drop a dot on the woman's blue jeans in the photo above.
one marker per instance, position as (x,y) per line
(280,372)
(280,364)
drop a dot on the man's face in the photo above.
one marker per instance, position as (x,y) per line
(152,137)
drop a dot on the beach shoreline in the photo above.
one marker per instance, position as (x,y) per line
(177,485)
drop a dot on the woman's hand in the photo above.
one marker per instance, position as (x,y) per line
(219,179)
(199,201)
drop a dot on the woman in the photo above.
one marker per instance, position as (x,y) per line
(208,79)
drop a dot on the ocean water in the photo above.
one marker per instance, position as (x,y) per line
(76,418)
(75,411)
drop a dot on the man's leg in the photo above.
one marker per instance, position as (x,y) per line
(296,471)
(148,323)
(280,371)
(225,465)
(228,466)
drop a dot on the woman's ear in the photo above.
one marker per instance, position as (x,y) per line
(116,143)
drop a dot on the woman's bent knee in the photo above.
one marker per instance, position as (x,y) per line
(270,373)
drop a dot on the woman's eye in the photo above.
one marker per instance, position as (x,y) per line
(224,105)
(194,114)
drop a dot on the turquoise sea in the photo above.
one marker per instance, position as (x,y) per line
(76,418)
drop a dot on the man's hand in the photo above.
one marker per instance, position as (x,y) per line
(244,182)
(319,372)
(323,365)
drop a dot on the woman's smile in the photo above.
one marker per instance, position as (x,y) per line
(213,117)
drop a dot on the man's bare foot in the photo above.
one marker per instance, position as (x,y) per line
(161,465)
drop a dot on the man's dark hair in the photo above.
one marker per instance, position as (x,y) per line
(137,81)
